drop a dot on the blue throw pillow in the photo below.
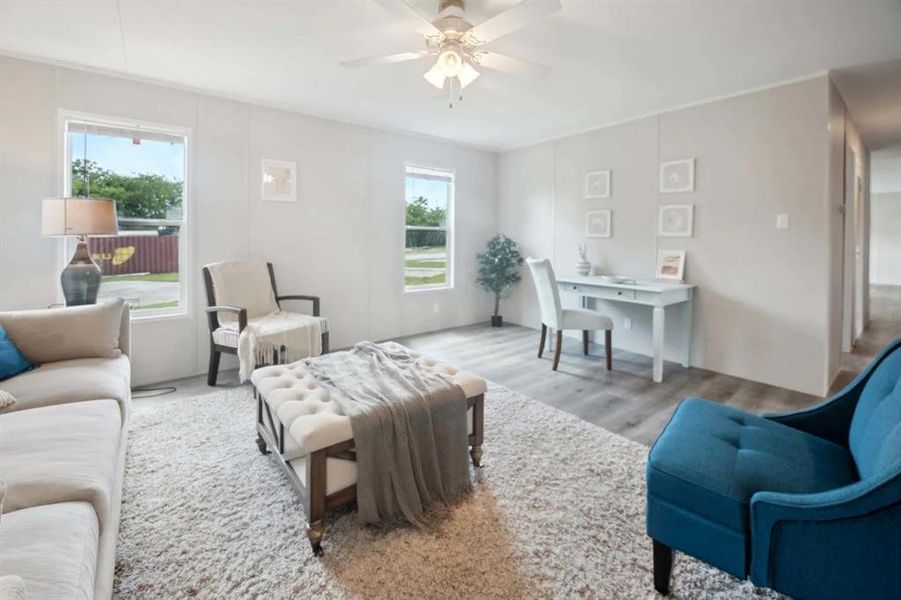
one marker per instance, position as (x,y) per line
(12,362)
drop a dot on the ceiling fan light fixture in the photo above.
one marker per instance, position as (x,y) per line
(451,63)
(436,76)
(467,75)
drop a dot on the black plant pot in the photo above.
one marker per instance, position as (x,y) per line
(497,321)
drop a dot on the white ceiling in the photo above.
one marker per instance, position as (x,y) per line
(611,60)
(873,95)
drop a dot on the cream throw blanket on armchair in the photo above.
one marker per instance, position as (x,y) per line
(246,284)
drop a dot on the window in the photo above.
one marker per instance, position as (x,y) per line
(429,229)
(142,168)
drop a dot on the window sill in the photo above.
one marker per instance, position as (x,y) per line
(425,288)
(151,316)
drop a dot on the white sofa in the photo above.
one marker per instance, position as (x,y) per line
(62,449)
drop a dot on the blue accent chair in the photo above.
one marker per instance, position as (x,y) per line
(805,503)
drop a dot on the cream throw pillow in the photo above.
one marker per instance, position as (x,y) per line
(50,335)
(12,587)
(6,399)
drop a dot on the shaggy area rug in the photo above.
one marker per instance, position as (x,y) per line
(557,511)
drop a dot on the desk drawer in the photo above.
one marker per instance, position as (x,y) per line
(599,292)
(615,294)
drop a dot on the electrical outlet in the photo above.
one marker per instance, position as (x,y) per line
(782,221)
(436,308)
(627,323)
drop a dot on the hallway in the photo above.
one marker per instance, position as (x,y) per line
(884,326)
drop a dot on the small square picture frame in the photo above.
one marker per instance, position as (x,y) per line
(671,265)
(676,220)
(677,176)
(278,180)
(599,223)
(598,184)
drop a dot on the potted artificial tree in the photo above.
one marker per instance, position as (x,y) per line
(499,271)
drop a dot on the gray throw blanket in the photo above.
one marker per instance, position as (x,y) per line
(409,428)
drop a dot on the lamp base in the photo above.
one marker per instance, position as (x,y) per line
(81,278)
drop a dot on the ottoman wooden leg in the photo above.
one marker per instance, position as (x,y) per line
(315,505)
(478,429)
(315,533)
(663,567)
(476,453)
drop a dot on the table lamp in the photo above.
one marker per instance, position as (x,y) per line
(80,217)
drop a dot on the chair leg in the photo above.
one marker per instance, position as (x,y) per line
(558,341)
(585,342)
(663,567)
(541,340)
(608,348)
(213,371)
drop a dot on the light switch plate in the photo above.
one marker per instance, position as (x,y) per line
(782,221)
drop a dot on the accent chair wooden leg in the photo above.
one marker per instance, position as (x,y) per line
(608,348)
(558,341)
(541,340)
(325,343)
(663,567)
(213,371)
(585,342)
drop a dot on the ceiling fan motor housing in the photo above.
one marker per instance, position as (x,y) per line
(450,17)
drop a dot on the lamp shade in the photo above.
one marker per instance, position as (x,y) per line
(78,216)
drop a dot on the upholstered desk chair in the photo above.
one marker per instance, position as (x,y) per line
(805,503)
(558,319)
(261,289)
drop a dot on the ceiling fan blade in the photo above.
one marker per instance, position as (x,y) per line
(387,59)
(512,19)
(508,64)
(411,16)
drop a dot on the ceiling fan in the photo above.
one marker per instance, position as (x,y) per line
(459,46)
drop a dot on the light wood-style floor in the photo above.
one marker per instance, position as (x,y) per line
(884,327)
(624,400)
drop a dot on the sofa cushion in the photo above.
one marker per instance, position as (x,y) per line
(12,361)
(53,548)
(62,453)
(71,381)
(51,335)
(875,435)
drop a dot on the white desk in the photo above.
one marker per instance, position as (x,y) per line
(655,294)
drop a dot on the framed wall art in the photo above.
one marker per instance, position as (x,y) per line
(677,176)
(279,180)
(676,220)
(598,223)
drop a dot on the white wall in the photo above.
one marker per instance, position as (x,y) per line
(843,136)
(885,240)
(342,239)
(762,308)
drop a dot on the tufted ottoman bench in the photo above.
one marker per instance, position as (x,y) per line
(313,441)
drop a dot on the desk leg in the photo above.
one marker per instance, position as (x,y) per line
(657,343)
(686,358)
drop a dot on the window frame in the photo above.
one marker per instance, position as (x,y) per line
(436,172)
(186,226)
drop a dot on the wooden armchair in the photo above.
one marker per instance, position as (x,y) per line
(224,338)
